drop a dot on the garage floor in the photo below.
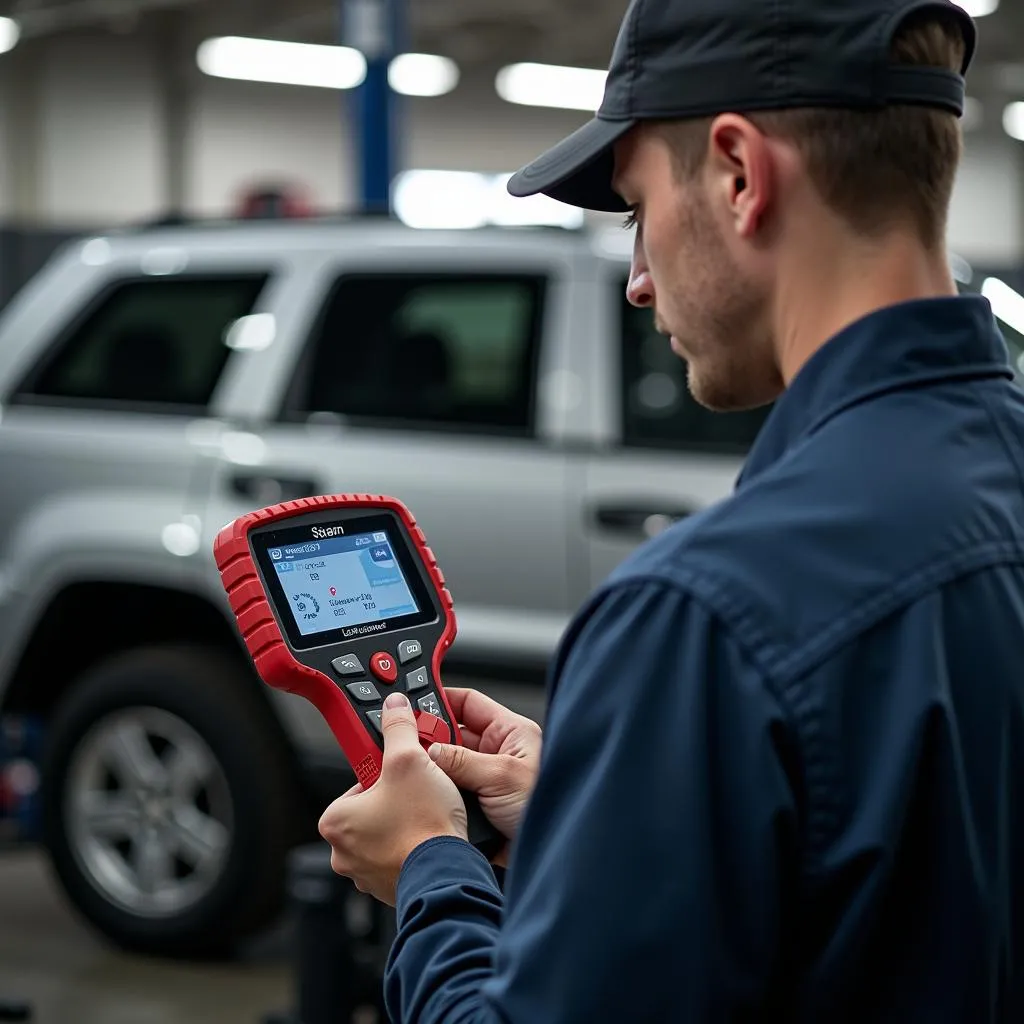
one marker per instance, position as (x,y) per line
(48,958)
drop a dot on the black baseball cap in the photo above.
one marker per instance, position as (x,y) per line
(698,58)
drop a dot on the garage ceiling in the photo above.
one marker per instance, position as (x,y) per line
(480,34)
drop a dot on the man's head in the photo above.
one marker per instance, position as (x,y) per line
(741,141)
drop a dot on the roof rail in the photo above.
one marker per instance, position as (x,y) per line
(176,219)
(326,217)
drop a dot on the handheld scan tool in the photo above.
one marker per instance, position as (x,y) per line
(340,600)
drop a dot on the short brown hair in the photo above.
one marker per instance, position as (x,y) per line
(874,168)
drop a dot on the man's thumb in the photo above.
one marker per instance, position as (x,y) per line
(398,723)
(468,769)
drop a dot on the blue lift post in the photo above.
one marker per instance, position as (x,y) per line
(377,29)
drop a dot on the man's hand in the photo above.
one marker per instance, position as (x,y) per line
(373,831)
(499,761)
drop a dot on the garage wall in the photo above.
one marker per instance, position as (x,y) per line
(83,141)
(244,131)
(987,217)
(101,134)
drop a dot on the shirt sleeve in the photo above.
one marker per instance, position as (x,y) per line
(649,876)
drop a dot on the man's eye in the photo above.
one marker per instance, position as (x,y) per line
(631,220)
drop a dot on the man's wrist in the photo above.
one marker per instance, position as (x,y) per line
(414,841)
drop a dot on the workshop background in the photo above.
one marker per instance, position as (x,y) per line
(250,251)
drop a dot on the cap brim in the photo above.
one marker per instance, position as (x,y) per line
(577,171)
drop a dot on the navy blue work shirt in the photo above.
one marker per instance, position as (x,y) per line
(783,767)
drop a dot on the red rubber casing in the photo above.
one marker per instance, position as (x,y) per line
(274,660)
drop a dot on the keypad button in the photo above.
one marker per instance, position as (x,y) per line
(374,716)
(365,693)
(409,650)
(430,704)
(418,680)
(383,666)
(348,665)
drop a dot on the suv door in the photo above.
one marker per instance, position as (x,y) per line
(420,380)
(668,457)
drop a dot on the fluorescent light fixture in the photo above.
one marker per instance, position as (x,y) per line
(423,74)
(270,60)
(1007,304)
(547,85)
(979,8)
(441,199)
(10,33)
(1013,121)
(508,211)
(466,199)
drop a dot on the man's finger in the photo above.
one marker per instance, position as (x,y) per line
(398,723)
(469,738)
(476,710)
(468,769)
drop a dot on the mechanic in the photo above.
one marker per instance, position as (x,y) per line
(782,775)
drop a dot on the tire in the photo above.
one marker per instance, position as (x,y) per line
(188,859)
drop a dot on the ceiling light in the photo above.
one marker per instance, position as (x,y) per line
(269,60)
(1013,121)
(1007,304)
(466,199)
(441,199)
(547,85)
(509,211)
(978,8)
(10,33)
(423,74)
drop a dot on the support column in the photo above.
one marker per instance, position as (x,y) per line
(376,28)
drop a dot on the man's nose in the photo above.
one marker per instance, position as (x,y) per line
(640,290)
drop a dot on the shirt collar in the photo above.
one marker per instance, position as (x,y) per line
(889,350)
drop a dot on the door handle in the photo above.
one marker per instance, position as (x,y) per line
(272,488)
(640,522)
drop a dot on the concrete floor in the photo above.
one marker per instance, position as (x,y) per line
(48,958)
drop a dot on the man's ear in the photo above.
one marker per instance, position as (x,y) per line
(742,171)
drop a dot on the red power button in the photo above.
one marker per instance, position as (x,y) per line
(384,668)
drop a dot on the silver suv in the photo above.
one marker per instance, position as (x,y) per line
(156,385)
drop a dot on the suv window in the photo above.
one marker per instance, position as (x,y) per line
(658,410)
(149,341)
(456,351)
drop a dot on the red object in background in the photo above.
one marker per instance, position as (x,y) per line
(274,202)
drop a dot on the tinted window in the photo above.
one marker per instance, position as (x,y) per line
(658,409)
(153,341)
(448,351)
